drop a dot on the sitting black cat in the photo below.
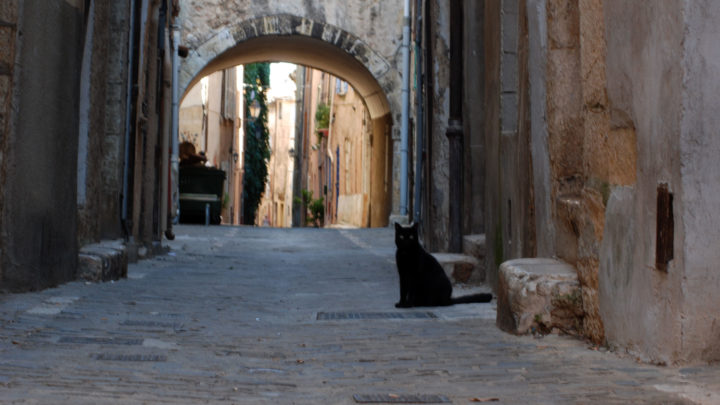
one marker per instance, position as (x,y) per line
(423,282)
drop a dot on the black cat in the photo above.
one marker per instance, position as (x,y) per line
(423,282)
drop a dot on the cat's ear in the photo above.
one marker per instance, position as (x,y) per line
(415,226)
(397,226)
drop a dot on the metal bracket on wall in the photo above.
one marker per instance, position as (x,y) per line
(665,228)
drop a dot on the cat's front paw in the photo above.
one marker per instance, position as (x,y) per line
(402,305)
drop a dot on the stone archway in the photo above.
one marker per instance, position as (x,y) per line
(319,45)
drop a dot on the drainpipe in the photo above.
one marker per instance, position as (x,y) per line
(128,122)
(405,111)
(174,158)
(165,223)
(455,126)
(419,81)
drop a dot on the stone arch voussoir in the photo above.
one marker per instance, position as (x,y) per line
(280,25)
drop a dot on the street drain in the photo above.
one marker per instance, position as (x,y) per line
(130,357)
(400,399)
(86,340)
(328,316)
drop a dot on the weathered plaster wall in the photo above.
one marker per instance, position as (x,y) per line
(699,199)
(39,224)
(641,307)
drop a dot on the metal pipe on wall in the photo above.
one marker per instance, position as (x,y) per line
(419,123)
(174,157)
(165,176)
(405,117)
(455,126)
(128,119)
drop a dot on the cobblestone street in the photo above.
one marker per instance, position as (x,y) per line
(302,316)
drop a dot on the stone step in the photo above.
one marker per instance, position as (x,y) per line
(538,296)
(103,261)
(474,245)
(461,269)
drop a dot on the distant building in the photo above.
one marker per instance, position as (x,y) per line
(211,119)
(338,157)
(350,151)
(276,205)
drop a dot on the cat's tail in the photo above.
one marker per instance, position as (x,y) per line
(467,299)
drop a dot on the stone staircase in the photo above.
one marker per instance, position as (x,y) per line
(468,267)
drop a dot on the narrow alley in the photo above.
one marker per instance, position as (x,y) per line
(303,316)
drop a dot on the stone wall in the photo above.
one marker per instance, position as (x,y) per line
(437,208)
(641,306)
(474,173)
(8,31)
(39,221)
(699,202)
(112,147)
(662,87)
(102,131)
(508,165)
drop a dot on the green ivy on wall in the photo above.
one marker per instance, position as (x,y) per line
(257,148)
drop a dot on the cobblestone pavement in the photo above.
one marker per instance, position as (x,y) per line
(303,316)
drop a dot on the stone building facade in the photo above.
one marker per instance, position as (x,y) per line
(350,141)
(598,148)
(85,129)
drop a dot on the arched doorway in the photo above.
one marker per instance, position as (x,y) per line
(341,55)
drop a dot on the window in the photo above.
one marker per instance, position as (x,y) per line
(341,87)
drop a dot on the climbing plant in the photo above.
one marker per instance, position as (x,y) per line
(314,208)
(322,120)
(257,148)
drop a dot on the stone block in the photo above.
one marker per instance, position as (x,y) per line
(563,24)
(474,245)
(104,261)
(539,295)
(7,48)
(509,112)
(8,11)
(509,74)
(460,268)
(90,267)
